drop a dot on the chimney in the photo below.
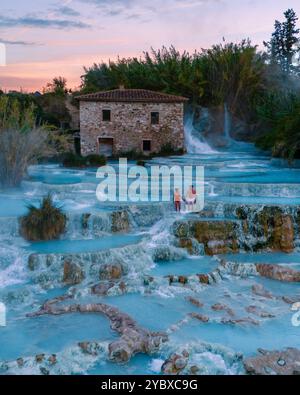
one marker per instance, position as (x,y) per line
(121,87)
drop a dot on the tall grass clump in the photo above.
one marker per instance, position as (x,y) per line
(46,222)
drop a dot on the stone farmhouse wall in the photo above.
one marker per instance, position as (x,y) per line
(131,124)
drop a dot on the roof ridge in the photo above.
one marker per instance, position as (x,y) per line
(132,94)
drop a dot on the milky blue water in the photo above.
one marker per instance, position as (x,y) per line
(241,175)
(76,246)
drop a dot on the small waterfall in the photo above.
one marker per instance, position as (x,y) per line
(195,142)
(227,125)
(212,192)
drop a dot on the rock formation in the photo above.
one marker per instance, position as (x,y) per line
(134,339)
(286,362)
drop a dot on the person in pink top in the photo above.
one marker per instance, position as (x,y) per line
(177,200)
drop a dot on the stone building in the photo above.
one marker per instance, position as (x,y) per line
(124,120)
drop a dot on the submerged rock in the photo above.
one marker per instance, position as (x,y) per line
(290,299)
(286,362)
(176,363)
(259,228)
(277,272)
(91,348)
(73,273)
(218,237)
(239,321)
(199,317)
(258,312)
(194,301)
(269,227)
(111,271)
(73,360)
(223,307)
(259,290)
(203,278)
(167,253)
(134,339)
(120,221)
(101,289)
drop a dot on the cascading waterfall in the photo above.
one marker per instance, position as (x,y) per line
(227,125)
(195,142)
(161,270)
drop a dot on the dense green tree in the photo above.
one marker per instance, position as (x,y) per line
(282,47)
(57,86)
(231,73)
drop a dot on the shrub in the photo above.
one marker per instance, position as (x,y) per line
(95,160)
(72,160)
(168,150)
(46,222)
(131,155)
(22,142)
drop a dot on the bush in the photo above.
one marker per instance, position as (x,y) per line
(280,114)
(72,160)
(46,222)
(132,155)
(168,150)
(141,163)
(95,160)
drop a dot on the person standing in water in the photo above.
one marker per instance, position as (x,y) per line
(177,200)
(191,198)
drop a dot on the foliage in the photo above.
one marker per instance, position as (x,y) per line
(58,87)
(95,160)
(15,114)
(18,150)
(235,74)
(22,141)
(53,110)
(168,150)
(282,46)
(70,159)
(230,73)
(73,160)
(46,222)
(281,115)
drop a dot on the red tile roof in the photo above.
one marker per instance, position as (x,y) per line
(132,95)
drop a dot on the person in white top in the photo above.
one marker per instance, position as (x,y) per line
(191,198)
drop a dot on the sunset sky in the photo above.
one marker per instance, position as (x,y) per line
(45,38)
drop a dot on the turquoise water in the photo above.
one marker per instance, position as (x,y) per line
(185,266)
(76,246)
(241,175)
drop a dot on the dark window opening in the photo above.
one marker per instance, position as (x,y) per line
(154,118)
(106,146)
(106,115)
(77,145)
(146,145)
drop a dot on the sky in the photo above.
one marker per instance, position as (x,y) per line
(49,38)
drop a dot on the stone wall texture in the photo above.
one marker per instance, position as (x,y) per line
(131,124)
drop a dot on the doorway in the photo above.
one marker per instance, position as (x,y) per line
(106,146)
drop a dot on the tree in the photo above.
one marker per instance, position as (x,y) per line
(231,73)
(290,39)
(58,86)
(282,47)
(22,140)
